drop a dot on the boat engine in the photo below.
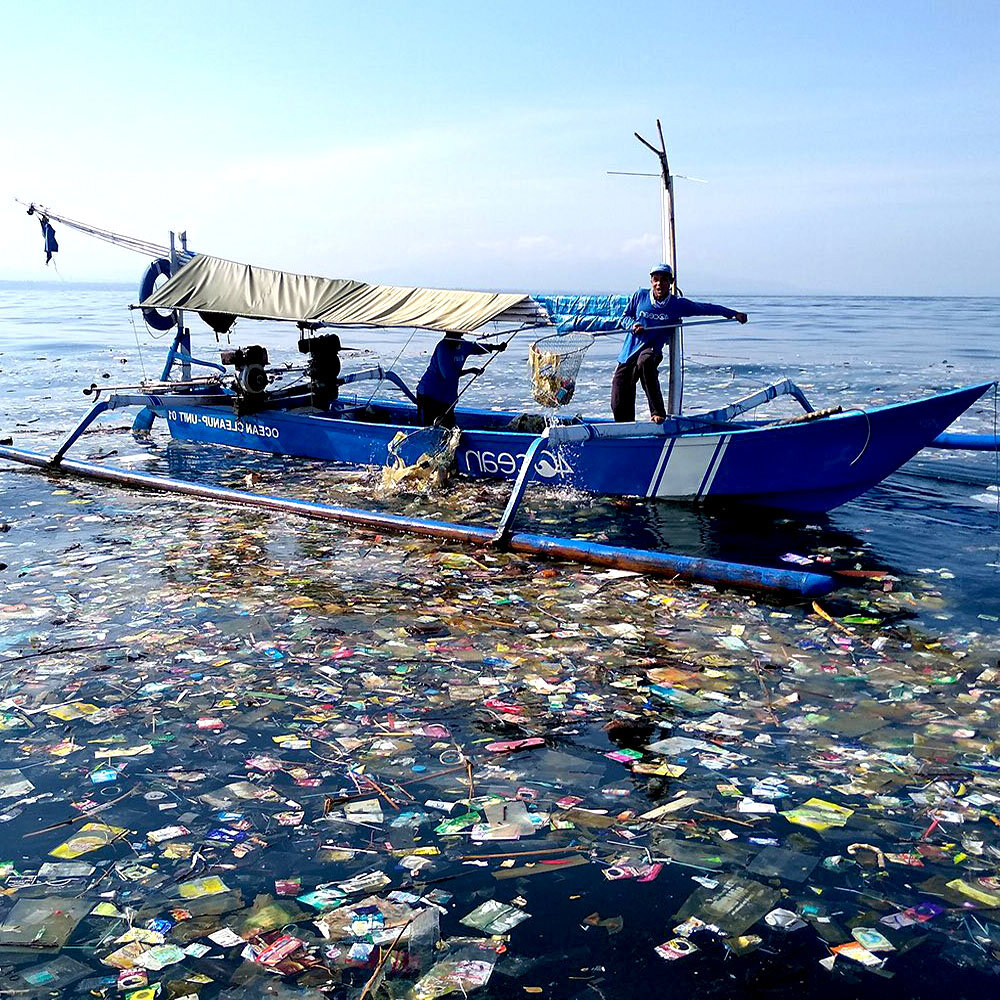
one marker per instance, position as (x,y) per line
(251,377)
(323,367)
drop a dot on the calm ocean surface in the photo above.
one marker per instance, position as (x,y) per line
(934,524)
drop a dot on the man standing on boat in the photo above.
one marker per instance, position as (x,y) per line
(649,316)
(437,391)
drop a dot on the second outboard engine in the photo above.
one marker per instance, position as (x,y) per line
(251,377)
(323,367)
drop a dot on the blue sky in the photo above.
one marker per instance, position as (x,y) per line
(849,148)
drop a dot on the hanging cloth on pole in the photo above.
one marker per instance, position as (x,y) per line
(48,233)
(49,237)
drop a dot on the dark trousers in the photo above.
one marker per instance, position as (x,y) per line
(641,367)
(430,409)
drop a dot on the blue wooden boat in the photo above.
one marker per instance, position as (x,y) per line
(805,465)
(812,462)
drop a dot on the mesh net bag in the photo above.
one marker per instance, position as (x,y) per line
(554,363)
(435,448)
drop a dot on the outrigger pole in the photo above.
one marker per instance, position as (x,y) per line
(714,571)
(675,341)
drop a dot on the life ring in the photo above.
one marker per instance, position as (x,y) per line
(153,317)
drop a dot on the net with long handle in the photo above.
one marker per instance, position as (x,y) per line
(421,461)
(554,363)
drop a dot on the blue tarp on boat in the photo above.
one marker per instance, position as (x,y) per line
(582,312)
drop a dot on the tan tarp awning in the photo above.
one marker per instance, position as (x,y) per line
(210,284)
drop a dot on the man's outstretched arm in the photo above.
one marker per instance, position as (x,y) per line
(689,307)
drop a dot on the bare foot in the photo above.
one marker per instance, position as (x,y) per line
(657,419)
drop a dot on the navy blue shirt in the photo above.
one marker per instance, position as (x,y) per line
(440,381)
(656,318)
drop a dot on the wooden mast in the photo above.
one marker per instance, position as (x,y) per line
(675,342)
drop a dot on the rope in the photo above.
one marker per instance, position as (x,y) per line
(720,357)
(138,346)
(155,334)
(117,239)
(486,365)
(378,385)
(690,362)
(868,438)
(489,361)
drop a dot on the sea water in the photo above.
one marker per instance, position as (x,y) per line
(935,524)
(926,526)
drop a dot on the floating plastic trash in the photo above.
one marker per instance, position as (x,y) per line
(554,363)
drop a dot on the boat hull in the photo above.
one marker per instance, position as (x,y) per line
(814,465)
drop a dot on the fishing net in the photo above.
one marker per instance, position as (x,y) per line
(554,363)
(421,460)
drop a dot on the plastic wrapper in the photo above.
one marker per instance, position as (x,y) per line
(463,965)
(494,917)
(44,980)
(735,905)
(42,924)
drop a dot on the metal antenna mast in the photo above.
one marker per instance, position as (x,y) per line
(667,230)
(675,341)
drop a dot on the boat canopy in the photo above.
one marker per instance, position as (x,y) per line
(211,284)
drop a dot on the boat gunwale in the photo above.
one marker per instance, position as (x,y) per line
(657,434)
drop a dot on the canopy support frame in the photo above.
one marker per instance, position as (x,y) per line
(180,348)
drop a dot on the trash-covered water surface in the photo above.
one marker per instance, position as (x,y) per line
(248,756)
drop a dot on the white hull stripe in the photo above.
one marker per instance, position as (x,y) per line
(713,468)
(687,467)
(654,483)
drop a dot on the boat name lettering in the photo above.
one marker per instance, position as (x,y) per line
(548,464)
(233,424)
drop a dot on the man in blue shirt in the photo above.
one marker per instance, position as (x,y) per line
(648,319)
(437,390)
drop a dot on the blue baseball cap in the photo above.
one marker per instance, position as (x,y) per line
(662,269)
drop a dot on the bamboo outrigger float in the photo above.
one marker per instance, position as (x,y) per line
(714,571)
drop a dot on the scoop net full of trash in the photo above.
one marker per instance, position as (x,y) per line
(554,363)
(422,460)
